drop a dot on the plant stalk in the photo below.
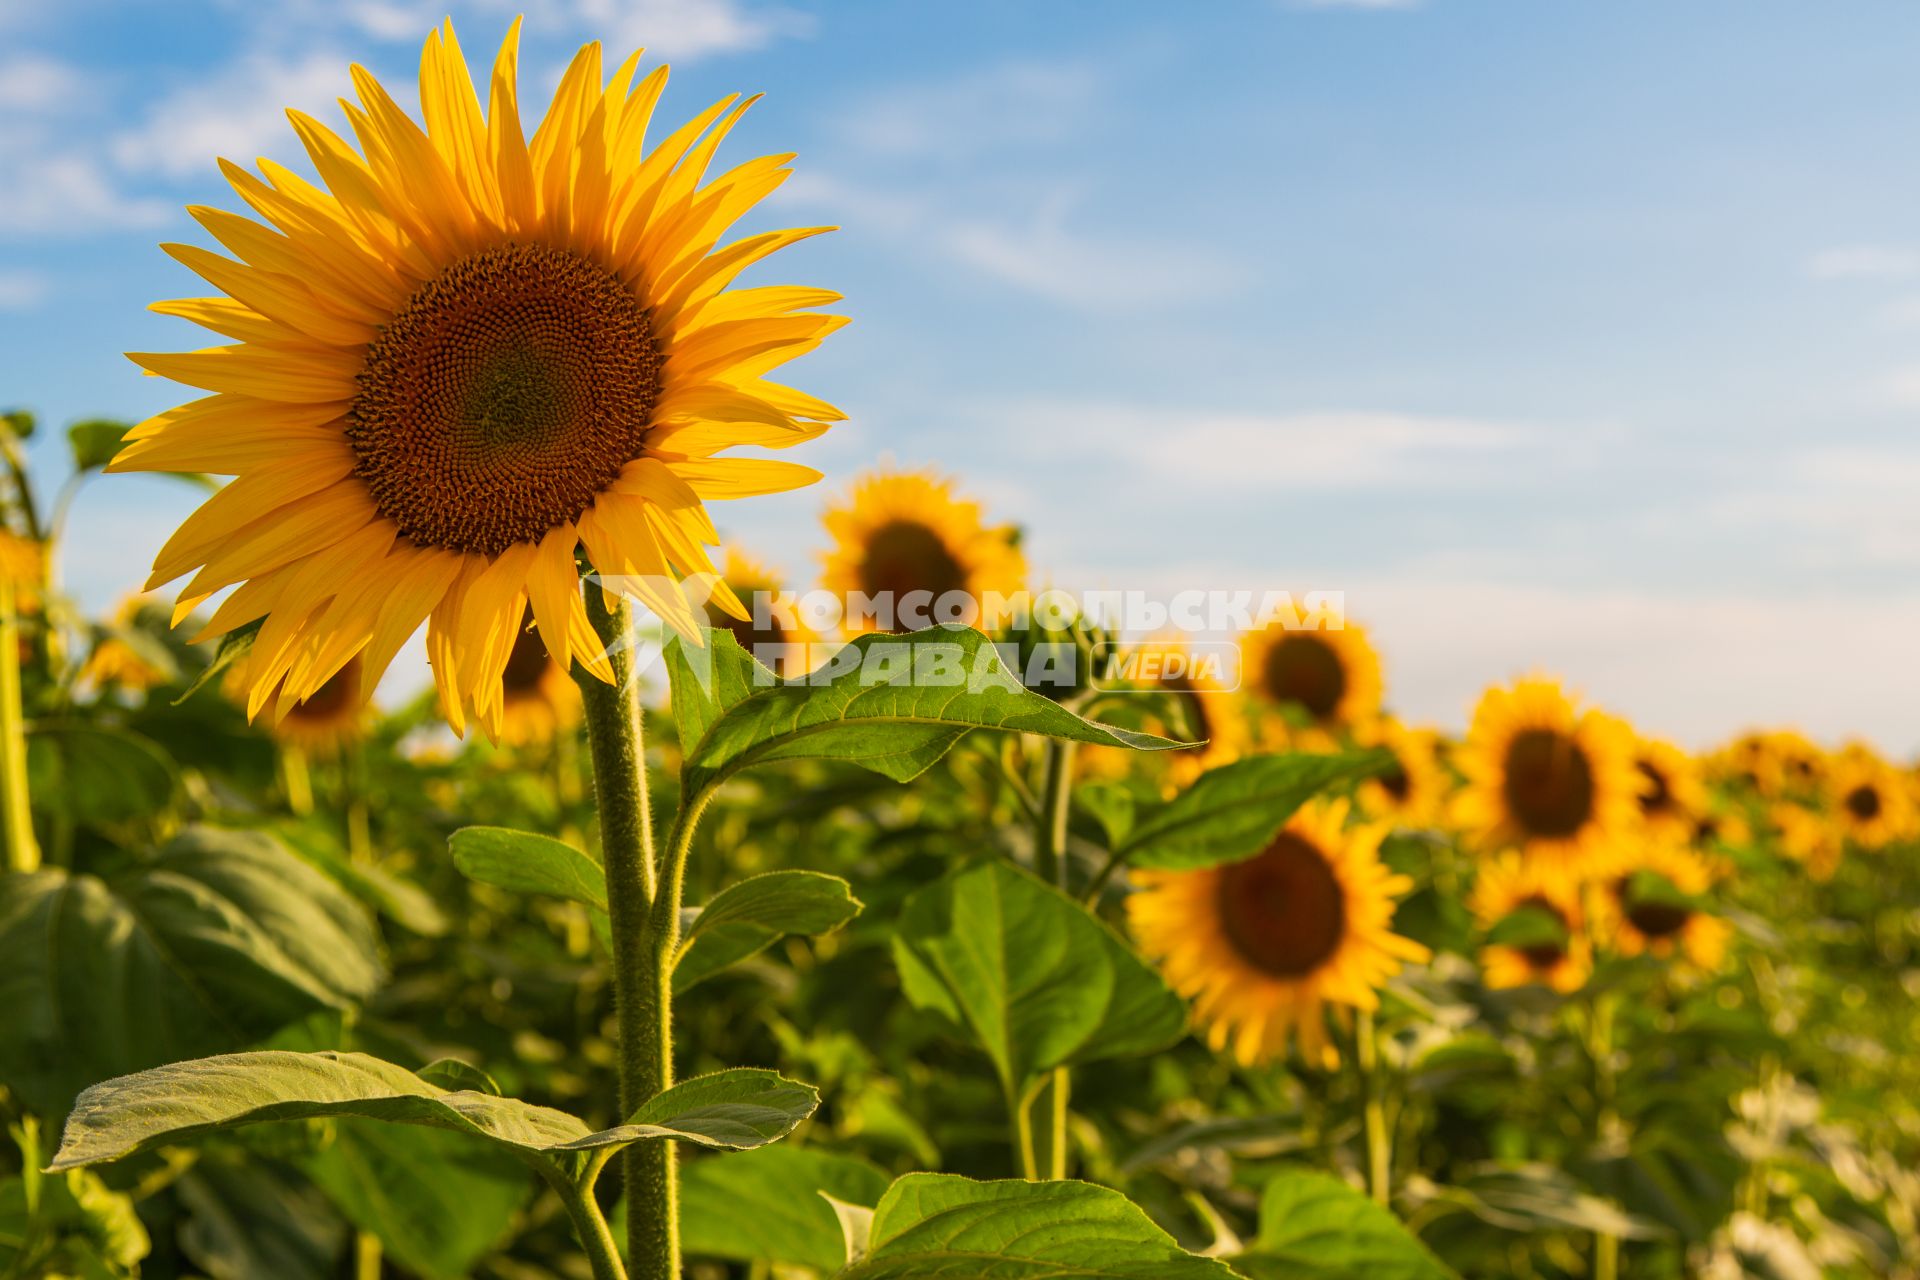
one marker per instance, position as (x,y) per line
(1606,1245)
(1044,1112)
(16,817)
(590,1225)
(1379,1141)
(642,950)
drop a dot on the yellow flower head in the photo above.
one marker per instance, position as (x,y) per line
(1263,946)
(460,358)
(1869,800)
(539,699)
(23,562)
(333,718)
(778,637)
(1807,838)
(1510,884)
(1548,779)
(1672,796)
(1411,792)
(1211,712)
(1329,675)
(117,662)
(1634,922)
(899,534)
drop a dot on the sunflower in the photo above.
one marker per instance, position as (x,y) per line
(23,561)
(1511,884)
(332,718)
(904,533)
(1868,798)
(1262,946)
(464,356)
(1751,761)
(539,700)
(1409,793)
(1807,838)
(1325,675)
(1209,711)
(1649,904)
(1548,779)
(1672,796)
(125,656)
(1722,828)
(777,636)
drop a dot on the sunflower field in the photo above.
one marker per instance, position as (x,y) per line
(680,930)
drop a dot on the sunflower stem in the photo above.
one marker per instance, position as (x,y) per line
(1048,1140)
(1379,1142)
(22,851)
(1606,1245)
(590,1225)
(645,917)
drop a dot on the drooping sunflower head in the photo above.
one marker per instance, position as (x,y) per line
(1322,675)
(1672,796)
(334,717)
(1264,945)
(126,655)
(1195,704)
(462,357)
(1547,778)
(1869,800)
(1411,791)
(1651,903)
(905,537)
(1542,907)
(539,700)
(773,630)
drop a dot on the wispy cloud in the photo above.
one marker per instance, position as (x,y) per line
(1024,102)
(1864,262)
(22,290)
(238,113)
(36,84)
(1051,259)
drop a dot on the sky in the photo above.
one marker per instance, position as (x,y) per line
(1579,337)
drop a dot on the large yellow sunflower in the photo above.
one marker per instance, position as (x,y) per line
(1546,778)
(1410,793)
(904,538)
(1672,796)
(1509,884)
(1264,945)
(778,637)
(464,356)
(1327,675)
(1666,923)
(1868,798)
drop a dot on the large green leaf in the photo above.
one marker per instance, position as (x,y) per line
(749,915)
(212,944)
(1313,1226)
(1036,979)
(1231,812)
(728,1110)
(98,774)
(525,862)
(436,1202)
(95,441)
(933,1225)
(891,703)
(768,1206)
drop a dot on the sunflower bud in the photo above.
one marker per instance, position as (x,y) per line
(1055,649)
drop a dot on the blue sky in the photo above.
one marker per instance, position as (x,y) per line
(1580,336)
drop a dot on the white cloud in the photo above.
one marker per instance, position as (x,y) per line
(30,82)
(1838,508)
(1900,389)
(22,290)
(238,113)
(1018,103)
(1864,262)
(1194,451)
(681,29)
(1085,269)
(56,189)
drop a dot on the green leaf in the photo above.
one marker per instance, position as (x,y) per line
(217,941)
(1036,979)
(233,646)
(731,1110)
(1111,805)
(767,1206)
(452,1073)
(97,773)
(1313,1226)
(1231,812)
(748,916)
(95,441)
(891,703)
(437,1204)
(249,1219)
(1528,927)
(933,1225)
(523,862)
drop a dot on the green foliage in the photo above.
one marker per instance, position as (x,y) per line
(750,915)
(1313,1226)
(94,441)
(768,1205)
(1033,979)
(1232,811)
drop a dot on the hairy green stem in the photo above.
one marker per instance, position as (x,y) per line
(1379,1142)
(590,1225)
(642,955)
(1606,1245)
(1045,1138)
